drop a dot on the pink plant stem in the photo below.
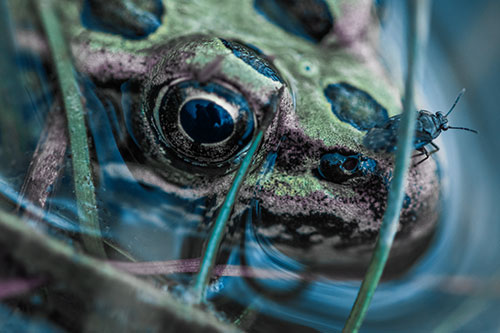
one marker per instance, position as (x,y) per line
(18,286)
(192,265)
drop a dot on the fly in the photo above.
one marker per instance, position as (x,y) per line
(383,136)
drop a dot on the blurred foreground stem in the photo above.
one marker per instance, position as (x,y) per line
(417,36)
(82,172)
(126,303)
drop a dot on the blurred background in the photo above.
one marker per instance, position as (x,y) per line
(463,52)
(465,39)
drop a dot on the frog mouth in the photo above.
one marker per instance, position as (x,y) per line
(331,246)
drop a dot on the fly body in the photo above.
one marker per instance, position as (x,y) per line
(383,136)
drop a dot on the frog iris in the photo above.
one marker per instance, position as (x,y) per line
(204,124)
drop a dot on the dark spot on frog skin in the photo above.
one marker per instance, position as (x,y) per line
(253,57)
(309,19)
(131,19)
(355,106)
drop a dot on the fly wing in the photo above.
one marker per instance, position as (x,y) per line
(383,137)
(380,139)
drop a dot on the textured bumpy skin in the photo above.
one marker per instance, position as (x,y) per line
(336,89)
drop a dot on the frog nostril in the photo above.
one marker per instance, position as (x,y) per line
(338,168)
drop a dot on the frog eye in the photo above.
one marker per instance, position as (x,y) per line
(204,124)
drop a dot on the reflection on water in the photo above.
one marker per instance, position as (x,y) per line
(139,218)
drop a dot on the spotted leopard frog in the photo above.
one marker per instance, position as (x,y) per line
(199,76)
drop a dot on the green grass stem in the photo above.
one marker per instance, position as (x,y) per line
(215,239)
(417,37)
(82,171)
(212,248)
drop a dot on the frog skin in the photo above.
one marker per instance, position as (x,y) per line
(320,214)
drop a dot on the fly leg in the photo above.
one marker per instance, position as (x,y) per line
(421,151)
(427,154)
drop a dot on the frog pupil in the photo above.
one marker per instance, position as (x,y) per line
(205,121)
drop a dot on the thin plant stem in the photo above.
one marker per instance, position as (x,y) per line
(82,171)
(212,248)
(418,25)
(215,239)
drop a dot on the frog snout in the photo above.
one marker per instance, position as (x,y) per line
(324,200)
(323,206)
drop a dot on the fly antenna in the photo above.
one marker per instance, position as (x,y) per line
(456,101)
(463,128)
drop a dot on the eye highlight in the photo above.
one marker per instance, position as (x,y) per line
(204,124)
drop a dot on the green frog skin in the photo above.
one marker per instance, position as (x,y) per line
(310,208)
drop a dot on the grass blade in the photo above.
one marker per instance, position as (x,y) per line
(45,166)
(84,186)
(210,253)
(212,248)
(111,299)
(418,25)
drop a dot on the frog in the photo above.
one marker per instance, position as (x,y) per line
(199,77)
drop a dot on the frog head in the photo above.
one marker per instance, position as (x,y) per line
(200,77)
